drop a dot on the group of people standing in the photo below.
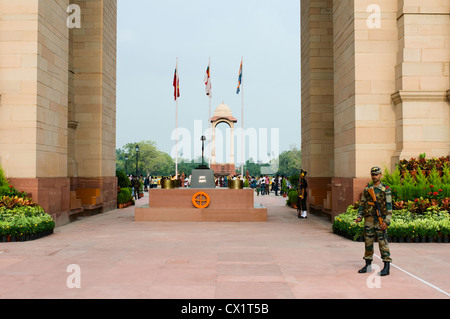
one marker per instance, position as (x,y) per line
(141,183)
(265,184)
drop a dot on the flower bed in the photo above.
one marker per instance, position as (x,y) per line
(432,226)
(421,202)
(420,192)
(23,220)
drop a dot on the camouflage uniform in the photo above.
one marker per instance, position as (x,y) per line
(371,223)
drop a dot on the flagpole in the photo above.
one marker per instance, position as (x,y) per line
(209,120)
(176,123)
(242,123)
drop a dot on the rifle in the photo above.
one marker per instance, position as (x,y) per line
(376,204)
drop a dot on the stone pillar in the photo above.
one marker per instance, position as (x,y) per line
(365,47)
(57,100)
(422,79)
(232,157)
(317,96)
(213,152)
(34,105)
(93,109)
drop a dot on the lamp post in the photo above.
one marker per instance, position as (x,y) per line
(137,159)
(126,164)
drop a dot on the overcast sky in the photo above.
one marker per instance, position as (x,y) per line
(153,34)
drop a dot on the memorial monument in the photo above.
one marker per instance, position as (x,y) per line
(375,90)
(203,176)
(223,114)
(202,202)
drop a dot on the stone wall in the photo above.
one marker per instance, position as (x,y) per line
(57,100)
(390,71)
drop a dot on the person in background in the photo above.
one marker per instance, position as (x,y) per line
(302,195)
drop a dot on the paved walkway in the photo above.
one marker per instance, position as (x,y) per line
(285,258)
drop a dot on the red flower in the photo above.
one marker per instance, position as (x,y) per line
(431,186)
(416,200)
(10,186)
(435,193)
(440,190)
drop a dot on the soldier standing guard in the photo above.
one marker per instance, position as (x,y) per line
(302,195)
(376,208)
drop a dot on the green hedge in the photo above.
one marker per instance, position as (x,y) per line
(124,196)
(421,191)
(432,226)
(292,197)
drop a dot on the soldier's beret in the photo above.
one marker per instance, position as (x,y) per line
(375,170)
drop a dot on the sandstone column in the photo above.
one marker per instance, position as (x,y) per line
(365,48)
(317,96)
(34,104)
(422,79)
(93,109)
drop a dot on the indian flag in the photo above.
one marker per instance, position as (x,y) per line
(239,80)
(176,84)
(208,82)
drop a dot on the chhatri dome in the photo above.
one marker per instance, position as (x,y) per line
(223,110)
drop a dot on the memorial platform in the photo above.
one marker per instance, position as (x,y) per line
(191,205)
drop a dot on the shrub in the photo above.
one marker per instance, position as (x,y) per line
(3,180)
(122,179)
(292,196)
(120,198)
(124,196)
(406,224)
(24,220)
(9,190)
(419,192)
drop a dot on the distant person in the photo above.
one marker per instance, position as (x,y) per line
(263,185)
(302,195)
(146,183)
(275,185)
(136,185)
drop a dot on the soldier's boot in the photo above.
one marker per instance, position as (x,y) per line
(366,268)
(386,269)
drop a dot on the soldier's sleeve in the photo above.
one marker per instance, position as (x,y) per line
(388,206)
(362,203)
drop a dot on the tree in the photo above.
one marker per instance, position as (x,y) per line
(290,162)
(253,168)
(151,160)
(187,167)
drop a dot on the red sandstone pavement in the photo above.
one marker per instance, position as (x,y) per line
(285,258)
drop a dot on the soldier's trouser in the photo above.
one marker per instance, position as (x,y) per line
(372,229)
(301,204)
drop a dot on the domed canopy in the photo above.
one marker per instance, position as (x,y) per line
(223,110)
(223,114)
